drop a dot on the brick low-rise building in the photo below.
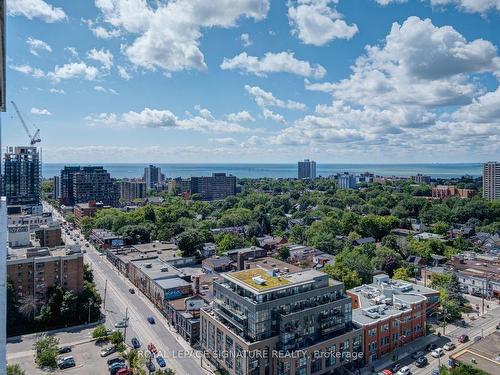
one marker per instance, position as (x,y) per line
(33,271)
(392,313)
(49,235)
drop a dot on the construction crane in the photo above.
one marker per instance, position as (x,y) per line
(33,138)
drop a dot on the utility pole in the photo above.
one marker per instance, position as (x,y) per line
(105,292)
(90,304)
(444,322)
(126,324)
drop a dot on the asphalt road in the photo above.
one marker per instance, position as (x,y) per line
(178,354)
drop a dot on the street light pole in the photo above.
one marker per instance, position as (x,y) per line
(105,292)
(126,324)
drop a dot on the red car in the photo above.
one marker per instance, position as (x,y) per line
(463,338)
(152,348)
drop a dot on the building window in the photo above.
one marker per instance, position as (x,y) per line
(316,365)
(385,327)
(372,331)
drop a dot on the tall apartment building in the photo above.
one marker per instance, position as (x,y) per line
(56,189)
(421,179)
(22,176)
(346,181)
(259,318)
(392,313)
(491,180)
(3,282)
(84,184)
(217,186)
(179,185)
(152,176)
(306,169)
(132,189)
(34,270)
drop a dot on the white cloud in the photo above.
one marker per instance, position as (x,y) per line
(242,116)
(316,22)
(105,90)
(270,115)
(470,6)
(57,91)
(245,40)
(169,33)
(154,118)
(72,51)
(37,45)
(74,70)
(28,70)
(101,32)
(102,56)
(282,62)
(40,111)
(122,72)
(35,9)
(267,99)
(225,141)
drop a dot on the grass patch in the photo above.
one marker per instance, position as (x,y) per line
(270,281)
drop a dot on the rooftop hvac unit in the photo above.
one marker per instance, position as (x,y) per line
(258,280)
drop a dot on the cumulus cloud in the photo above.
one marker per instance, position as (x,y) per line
(28,70)
(270,115)
(73,70)
(242,116)
(225,141)
(245,40)
(36,9)
(168,35)
(470,6)
(123,72)
(155,118)
(37,45)
(40,111)
(100,31)
(267,99)
(102,56)
(316,22)
(282,62)
(56,91)
(105,90)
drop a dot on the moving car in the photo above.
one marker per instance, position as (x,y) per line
(385,372)
(121,324)
(64,349)
(438,352)
(131,290)
(404,371)
(152,348)
(107,351)
(421,362)
(417,355)
(463,338)
(161,362)
(135,343)
(477,338)
(151,320)
(449,346)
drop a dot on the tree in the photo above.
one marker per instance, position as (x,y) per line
(99,332)
(87,273)
(134,234)
(87,223)
(12,308)
(441,228)
(167,371)
(461,369)
(401,274)
(348,277)
(69,307)
(28,307)
(116,338)
(134,359)
(387,260)
(190,242)
(15,370)
(229,241)
(46,351)
(70,218)
(284,253)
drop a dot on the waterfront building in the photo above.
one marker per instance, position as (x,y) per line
(131,190)
(261,319)
(421,179)
(347,181)
(153,176)
(306,169)
(491,180)
(22,176)
(217,186)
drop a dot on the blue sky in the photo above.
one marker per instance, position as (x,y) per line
(360,81)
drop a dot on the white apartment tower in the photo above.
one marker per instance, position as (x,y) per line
(491,180)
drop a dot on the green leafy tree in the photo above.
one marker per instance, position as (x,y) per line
(116,337)
(99,332)
(46,351)
(284,253)
(441,228)
(134,359)
(350,278)
(13,314)
(190,242)
(69,307)
(15,370)
(230,241)
(461,369)
(401,274)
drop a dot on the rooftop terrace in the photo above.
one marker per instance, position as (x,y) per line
(259,279)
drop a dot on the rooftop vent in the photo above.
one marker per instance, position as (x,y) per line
(258,280)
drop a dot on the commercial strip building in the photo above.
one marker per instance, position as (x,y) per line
(105,239)
(267,322)
(306,169)
(491,180)
(34,270)
(478,274)
(392,313)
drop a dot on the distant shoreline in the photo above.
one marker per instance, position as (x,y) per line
(279,170)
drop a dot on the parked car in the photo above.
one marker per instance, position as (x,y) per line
(131,291)
(151,366)
(449,346)
(152,348)
(64,349)
(421,362)
(161,362)
(463,338)
(385,372)
(151,320)
(435,372)
(107,351)
(477,338)
(417,355)
(135,343)
(66,362)
(395,367)
(112,361)
(119,367)
(123,371)
(438,352)
(404,371)
(430,347)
